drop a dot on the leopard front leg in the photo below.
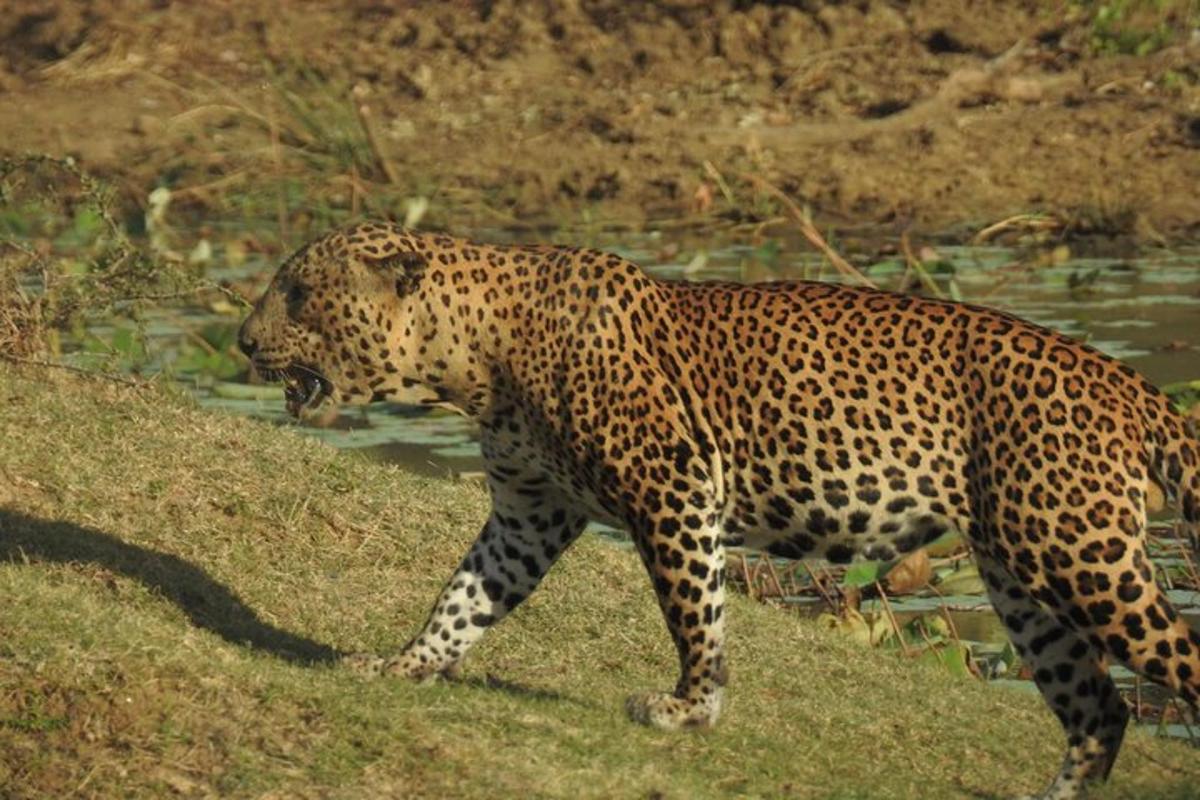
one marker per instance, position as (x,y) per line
(686,561)
(527,531)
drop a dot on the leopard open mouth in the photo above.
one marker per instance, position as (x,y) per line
(304,388)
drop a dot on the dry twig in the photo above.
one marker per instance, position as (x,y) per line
(88,373)
(887,609)
(804,221)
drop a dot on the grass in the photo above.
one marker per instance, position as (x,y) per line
(1139,27)
(305,141)
(175,583)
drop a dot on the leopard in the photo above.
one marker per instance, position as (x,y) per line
(809,420)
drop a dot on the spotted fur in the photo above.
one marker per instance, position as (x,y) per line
(805,419)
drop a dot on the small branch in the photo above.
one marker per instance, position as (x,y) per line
(363,111)
(87,373)
(946,614)
(202,286)
(722,184)
(748,576)
(821,588)
(1032,222)
(917,267)
(774,578)
(25,250)
(887,609)
(1186,555)
(802,219)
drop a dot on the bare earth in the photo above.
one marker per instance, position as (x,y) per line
(936,115)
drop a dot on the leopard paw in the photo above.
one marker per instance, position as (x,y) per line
(668,712)
(408,665)
(404,665)
(368,665)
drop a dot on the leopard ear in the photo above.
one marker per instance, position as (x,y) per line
(404,267)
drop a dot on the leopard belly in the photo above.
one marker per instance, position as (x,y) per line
(840,521)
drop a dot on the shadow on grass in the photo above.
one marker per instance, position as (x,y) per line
(207,603)
(495,683)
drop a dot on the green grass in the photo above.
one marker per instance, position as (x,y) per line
(1139,27)
(173,584)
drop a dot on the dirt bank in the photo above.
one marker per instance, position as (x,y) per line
(937,115)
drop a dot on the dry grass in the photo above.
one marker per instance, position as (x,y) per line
(21,326)
(173,583)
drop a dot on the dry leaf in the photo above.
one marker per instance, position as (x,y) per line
(913,572)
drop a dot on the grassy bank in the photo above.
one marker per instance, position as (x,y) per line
(174,584)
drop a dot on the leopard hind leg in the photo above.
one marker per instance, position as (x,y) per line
(1072,675)
(1131,618)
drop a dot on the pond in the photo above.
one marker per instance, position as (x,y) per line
(1143,310)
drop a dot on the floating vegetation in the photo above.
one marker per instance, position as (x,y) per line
(927,606)
(1186,394)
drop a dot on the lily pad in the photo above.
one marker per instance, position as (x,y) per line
(871,631)
(954,656)
(865,573)
(964,580)
(1184,393)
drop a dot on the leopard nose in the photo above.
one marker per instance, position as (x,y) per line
(247,343)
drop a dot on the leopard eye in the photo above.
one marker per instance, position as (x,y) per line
(296,295)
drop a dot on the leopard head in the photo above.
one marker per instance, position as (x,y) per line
(337,318)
